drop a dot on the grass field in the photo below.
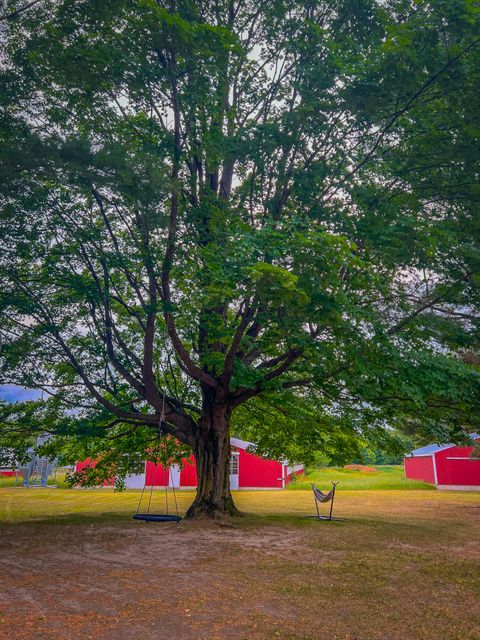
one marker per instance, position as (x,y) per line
(384,477)
(58,480)
(404,566)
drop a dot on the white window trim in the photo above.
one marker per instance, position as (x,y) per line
(435,477)
(236,455)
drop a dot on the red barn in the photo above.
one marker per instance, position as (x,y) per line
(5,472)
(447,466)
(247,471)
(10,464)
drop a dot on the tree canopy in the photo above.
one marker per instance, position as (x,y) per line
(254,215)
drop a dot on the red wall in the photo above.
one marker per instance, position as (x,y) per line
(258,472)
(155,474)
(5,474)
(420,468)
(253,471)
(160,476)
(188,475)
(83,463)
(457,472)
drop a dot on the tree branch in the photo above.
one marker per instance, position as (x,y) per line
(193,370)
(15,14)
(426,305)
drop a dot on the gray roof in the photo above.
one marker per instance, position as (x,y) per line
(433,448)
(241,444)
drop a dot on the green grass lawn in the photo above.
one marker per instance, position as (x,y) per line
(58,480)
(405,565)
(7,481)
(384,477)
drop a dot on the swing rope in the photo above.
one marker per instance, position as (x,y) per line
(148,515)
(173,491)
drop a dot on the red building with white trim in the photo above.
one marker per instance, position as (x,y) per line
(6,472)
(10,468)
(447,466)
(247,471)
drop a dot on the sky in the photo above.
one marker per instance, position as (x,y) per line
(11,393)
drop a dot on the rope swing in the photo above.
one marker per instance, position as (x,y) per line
(148,515)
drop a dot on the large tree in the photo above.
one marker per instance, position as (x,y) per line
(239,210)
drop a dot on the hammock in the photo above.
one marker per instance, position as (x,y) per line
(320,496)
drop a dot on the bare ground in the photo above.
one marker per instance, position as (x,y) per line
(399,569)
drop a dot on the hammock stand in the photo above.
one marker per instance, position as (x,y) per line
(148,516)
(321,497)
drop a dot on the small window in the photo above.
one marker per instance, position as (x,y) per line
(234,464)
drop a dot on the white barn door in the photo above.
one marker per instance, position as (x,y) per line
(174,476)
(135,481)
(234,460)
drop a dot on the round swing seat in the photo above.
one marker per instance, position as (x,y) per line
(156,517)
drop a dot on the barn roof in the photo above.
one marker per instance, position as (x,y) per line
(433,448)
(241,444)
(429,449)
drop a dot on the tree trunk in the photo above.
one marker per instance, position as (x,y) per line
(212,456)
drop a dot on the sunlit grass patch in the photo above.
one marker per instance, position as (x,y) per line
(384,477)
(57,480)
(287,507)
